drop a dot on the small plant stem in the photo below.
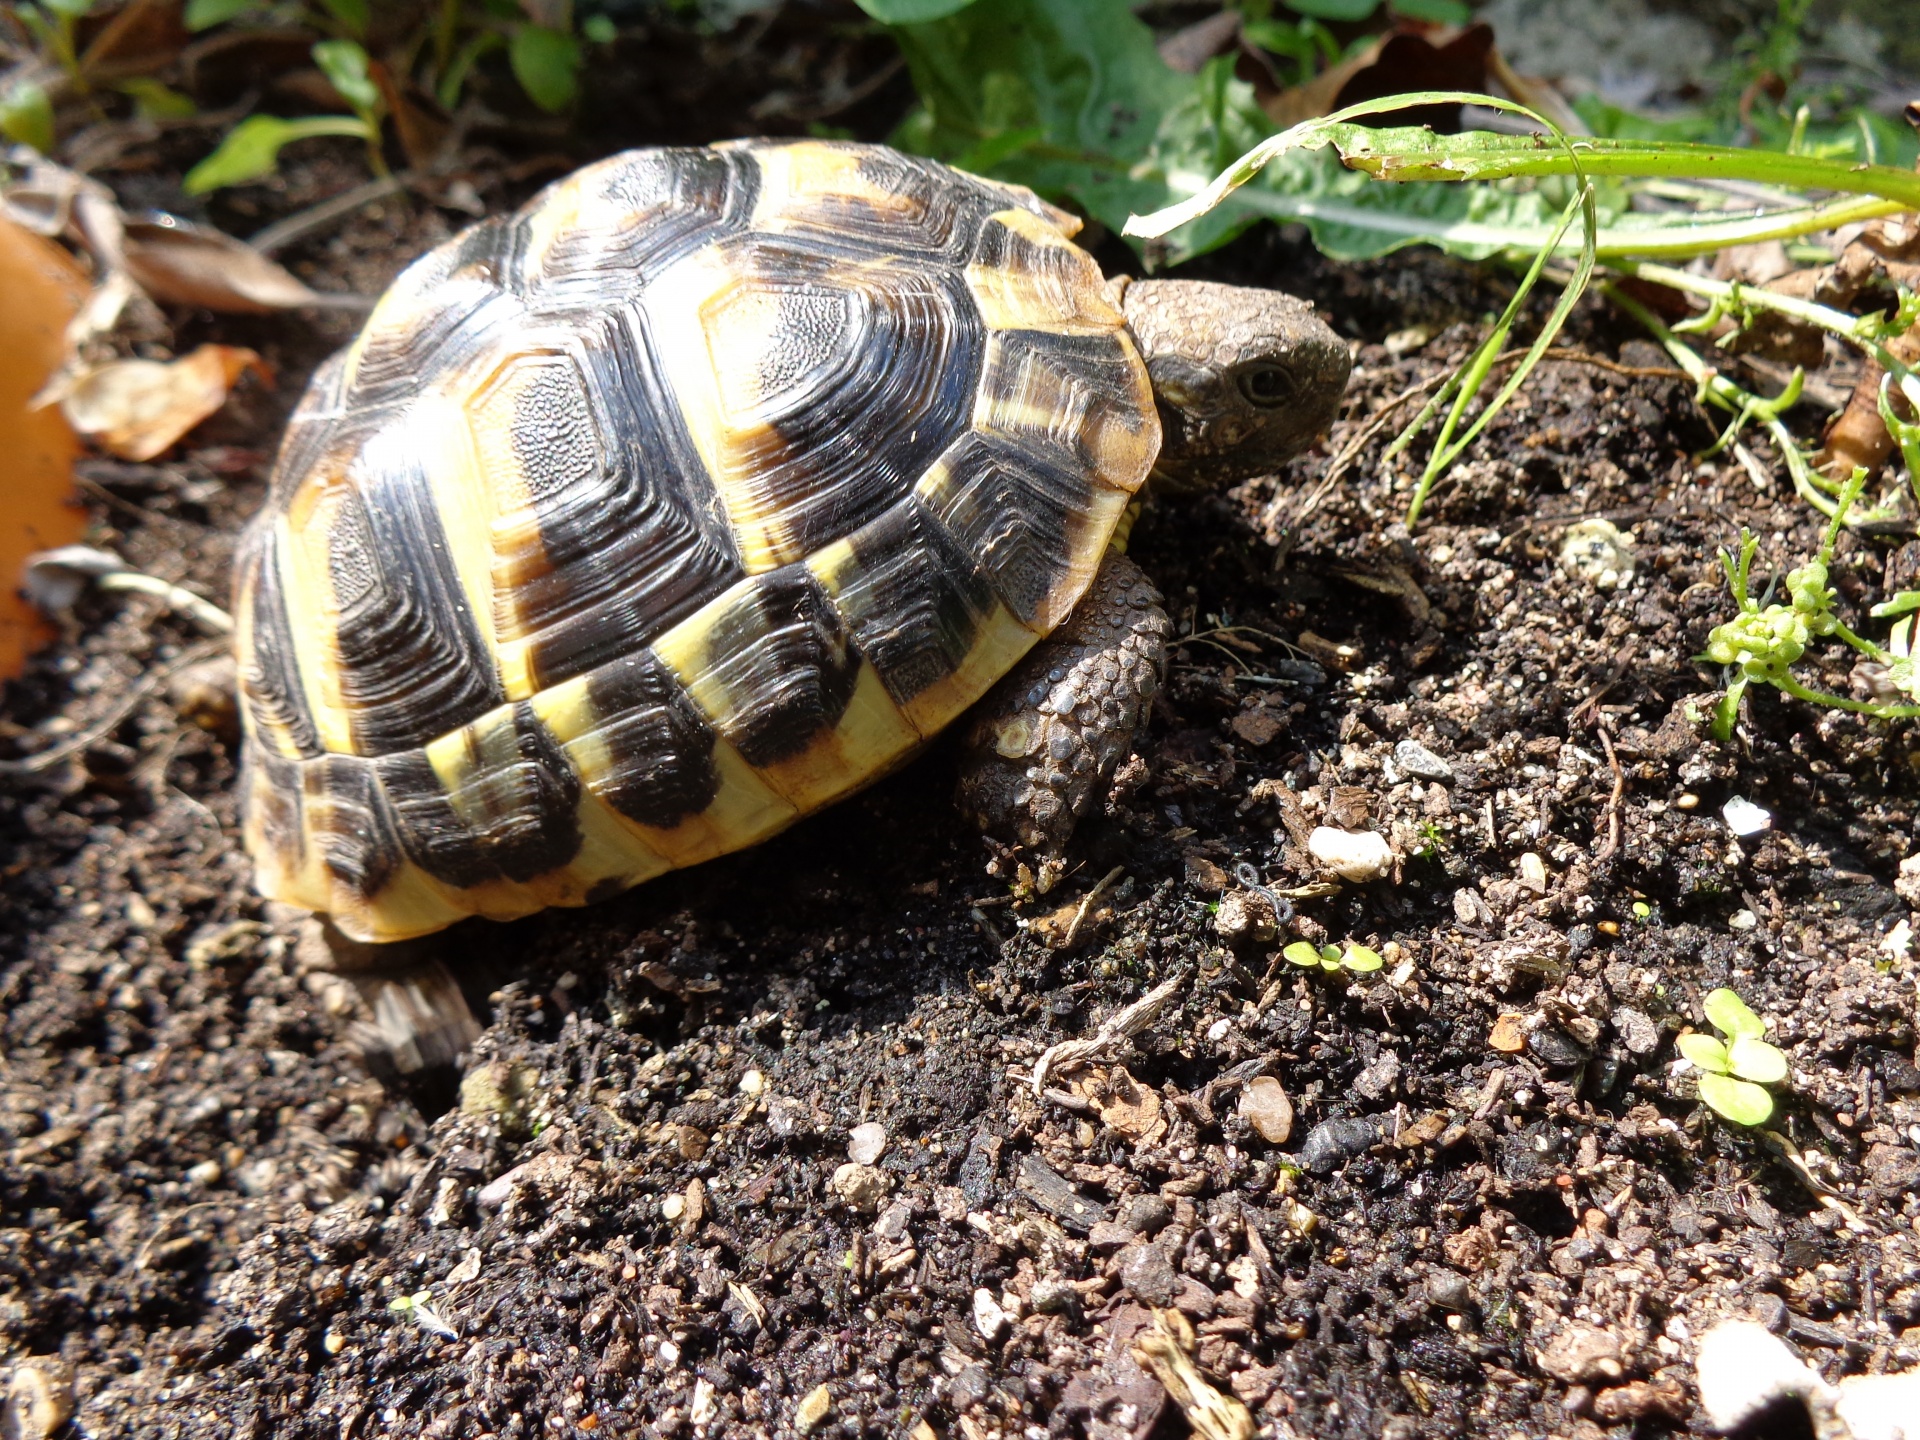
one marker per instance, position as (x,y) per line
(1853,328)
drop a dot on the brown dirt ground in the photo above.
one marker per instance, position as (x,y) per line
(638,1220)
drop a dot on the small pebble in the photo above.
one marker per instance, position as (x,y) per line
(207,1172)
(1533,873)
(988,1318)
(1054,1296)
(1745,818)
(1637,1030)
(1148,1274)
(753,1083)
(1332,1142)
(674,1206)
(1449,1291)
(39,1397)
(1742,921)
(812,1411)
(1598,552)
(865,1143)
(1358,856)
(1146,1215)
(1416,760)
(1244,916)
(861,1186)
(1556,1049)
(1265,1106)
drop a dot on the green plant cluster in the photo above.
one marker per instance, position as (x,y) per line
(1354,958)
(1735,1071)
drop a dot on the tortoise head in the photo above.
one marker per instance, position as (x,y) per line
(1244,379)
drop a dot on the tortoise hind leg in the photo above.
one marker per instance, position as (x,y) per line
(1044,743)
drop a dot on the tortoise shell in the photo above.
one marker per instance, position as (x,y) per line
(683,502)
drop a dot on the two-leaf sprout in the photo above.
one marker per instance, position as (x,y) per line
(1732,1071)
(1332,958)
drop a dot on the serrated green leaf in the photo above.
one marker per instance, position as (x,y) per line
(1301,953)
(911,12)
(1361,959)
(347,69)
(251,150)
(154,101)
(1730,1015)
(1704,1051)
(1737,1100)
(1756,1060)
(205,14)
(26,116)
(547,65)
(1337,10)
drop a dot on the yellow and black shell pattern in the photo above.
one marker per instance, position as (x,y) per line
(667,510)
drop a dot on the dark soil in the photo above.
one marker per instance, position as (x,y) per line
(628,1207)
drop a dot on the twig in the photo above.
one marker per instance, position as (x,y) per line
(1080,915)
(303,223)
(1115,1032)
(46,759)
(1612,846)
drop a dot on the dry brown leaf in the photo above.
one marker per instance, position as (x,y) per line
(1167,1352)
(182,264)
(137,409)
(44,289)
(1127,1106)
(1405,60)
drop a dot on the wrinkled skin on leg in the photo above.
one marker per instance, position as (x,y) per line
(1043,746)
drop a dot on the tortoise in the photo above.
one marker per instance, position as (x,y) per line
(703,491)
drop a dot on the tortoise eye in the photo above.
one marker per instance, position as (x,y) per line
(1266,385)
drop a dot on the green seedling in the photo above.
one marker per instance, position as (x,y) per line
(1356,959)
(252,148)
(1735,1071)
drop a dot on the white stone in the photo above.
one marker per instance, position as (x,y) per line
(1881,1407)
(988,1318)
(1598,552)
(1743,1368)
(1358,856)
(866,1143)
(1745,818)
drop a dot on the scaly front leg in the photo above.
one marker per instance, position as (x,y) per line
(1044,743)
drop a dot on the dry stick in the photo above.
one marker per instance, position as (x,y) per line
(1118,1028)
(303,223)
(1612,847)
(48,758)
(1080,915)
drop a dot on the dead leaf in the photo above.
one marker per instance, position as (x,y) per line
(1404,61)
(1256,727)
(44,290)
(1167,1352)
(1125,1105)
(137,409)
(1509,1034)
(179,263)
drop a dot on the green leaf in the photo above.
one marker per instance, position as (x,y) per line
(1301,953)
(911,12)
(1348,10)
(205,14)
(600,29)
(1730,1015)
(1757,1061)
(1438,12)
(351,15)
(1704,1051)
(72,9)
(1900,603)
(26,116)
(547,65)
(346,67)
(1361,959)
(252,148)
(154,101)
(1738,1101)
